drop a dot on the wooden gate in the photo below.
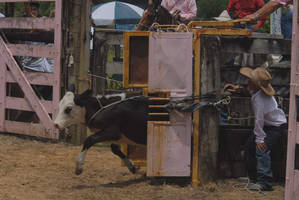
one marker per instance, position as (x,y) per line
(11,73)
(292,173)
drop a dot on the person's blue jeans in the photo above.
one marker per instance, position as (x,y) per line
(286,25)
(258,162)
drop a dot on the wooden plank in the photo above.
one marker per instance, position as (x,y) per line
(27,23)
(209,117)
(2,93)
(255,45)
(35,78)
(23,104)
(33,50)
(26,87)
(26,129)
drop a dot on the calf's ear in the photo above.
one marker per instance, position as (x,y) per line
(81,99)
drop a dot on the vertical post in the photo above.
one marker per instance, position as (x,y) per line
(293,111)
(2,93)
(209,117)
(78,47)
(196,78)
(57,60)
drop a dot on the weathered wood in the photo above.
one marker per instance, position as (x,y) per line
(37,51)
(35,78)
(22,104)
(255,45)
(36,36)
(209,117)
(27,23)
(77,47)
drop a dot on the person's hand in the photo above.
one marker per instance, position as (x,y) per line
(252,17)
(233,88)
(261,146)
(176,14)
(255,27)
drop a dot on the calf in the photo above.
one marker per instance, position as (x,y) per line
(113,120)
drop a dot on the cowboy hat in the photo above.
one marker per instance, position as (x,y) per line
(224,16)
(260,77)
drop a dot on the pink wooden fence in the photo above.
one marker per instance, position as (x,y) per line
(292,173)
(10,72)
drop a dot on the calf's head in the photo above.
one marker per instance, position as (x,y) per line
(71,110)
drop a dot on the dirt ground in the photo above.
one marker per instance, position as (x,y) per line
(32,170)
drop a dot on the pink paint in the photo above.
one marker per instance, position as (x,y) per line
(292,175)
(31,102)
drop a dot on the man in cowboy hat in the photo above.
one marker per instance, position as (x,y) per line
(269,123)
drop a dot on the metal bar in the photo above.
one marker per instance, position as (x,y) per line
(26,87)
(159,99)
(35,78)
(26,129)
(23,104)
(226,24)
(157,106)
(2,93)
(27,23)
(32,50)
(158,114)
(196,91)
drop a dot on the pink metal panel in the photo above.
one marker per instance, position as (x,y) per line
(36,78)
(26,87)
(27,23)
(292,177)
(32,50)
(26,129)
(2,93)
(23,104)
(169,152)
(170,63)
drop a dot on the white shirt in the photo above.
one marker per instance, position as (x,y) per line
(266,113)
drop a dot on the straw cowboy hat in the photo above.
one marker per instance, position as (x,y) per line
(224,16)
(260,77)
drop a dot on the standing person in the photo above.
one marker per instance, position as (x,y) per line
(238,9)
(268,8)
(32,9)
(182,10)
(270,122)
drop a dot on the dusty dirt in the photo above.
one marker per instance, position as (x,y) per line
(32,170)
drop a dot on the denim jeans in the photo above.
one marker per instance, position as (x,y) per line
(286,25)
(258,162)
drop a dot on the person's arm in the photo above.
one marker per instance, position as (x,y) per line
(260,23)
(164,3)
(265,11)
(191,13)
(259,120)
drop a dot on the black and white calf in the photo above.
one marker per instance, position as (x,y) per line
(114,119)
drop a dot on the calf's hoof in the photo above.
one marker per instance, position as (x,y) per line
(78,171)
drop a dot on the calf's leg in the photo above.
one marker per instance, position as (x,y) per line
(115,149)
(89,142)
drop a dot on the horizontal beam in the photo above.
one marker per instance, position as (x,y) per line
(23,35)
(239,44)
(27,23)
(34,78)
(33,50)
(23,104)
(30,129)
